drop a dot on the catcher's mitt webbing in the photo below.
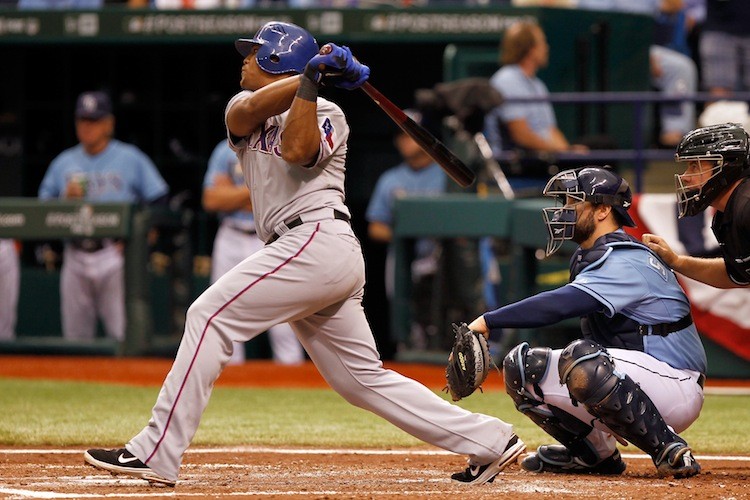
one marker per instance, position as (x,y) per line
(468,363)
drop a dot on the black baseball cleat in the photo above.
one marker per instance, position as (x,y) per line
(480,474)
(677,460)
(121,461)
(557,458)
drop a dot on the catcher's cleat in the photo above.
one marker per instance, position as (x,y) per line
(121,461)
(480,474)
(677,460)
(557,458)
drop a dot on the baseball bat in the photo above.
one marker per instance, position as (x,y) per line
(453,166)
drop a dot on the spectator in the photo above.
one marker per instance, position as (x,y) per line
(725,47)
(10,278)
(98,169)
(672,72)
(527,125)
(224,191)
(416,174)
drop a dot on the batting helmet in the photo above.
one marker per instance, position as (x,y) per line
(596,185)
(727,146)
(284,47)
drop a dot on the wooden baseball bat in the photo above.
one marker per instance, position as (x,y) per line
(453,166)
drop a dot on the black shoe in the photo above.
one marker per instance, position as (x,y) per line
(557,458)
(480,474)
(677,460)
(123,462)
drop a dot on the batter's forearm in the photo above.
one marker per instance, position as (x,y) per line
(709,271)
(300,139)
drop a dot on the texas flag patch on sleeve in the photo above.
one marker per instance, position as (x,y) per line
(328,132)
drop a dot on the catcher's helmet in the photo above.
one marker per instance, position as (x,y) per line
(596,185)
(284,47)
(728,146)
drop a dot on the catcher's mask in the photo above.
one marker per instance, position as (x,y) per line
(284,47)
(596,185)
(719,152)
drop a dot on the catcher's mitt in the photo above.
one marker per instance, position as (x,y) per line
(468,363)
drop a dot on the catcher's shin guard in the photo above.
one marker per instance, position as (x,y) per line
(589,372)
(523,366)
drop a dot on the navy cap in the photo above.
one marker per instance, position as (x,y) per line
(93,106)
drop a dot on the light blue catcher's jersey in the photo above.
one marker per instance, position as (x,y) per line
(121,173)
(224,160)
(632,281)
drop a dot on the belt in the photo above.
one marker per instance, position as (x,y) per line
(241,230)
(664,329)
(297,221)
(88,245)
(701,380)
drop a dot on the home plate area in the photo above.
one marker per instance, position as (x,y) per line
(308,473)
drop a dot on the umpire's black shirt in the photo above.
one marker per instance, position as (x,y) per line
(732,229)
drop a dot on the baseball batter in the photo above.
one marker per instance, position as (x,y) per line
(98,169)
(10,281)
(638,371)
(224,191)
(292,145)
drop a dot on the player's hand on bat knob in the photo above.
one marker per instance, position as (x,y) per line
(336,66)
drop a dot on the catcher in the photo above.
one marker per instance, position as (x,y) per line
(636,375)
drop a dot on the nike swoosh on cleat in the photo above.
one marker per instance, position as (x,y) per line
(474,471)
(124,460)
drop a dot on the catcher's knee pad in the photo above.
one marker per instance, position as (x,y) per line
(523,366)
(589,372)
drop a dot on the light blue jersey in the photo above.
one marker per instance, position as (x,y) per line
(631,281)
(511,81)
(224,160)
(400,181)
(121,173)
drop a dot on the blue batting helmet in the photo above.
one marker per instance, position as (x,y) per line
(284,47)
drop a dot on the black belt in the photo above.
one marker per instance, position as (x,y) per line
(701,380)
(240,230)
(664,329)
(88,245)
(296,221)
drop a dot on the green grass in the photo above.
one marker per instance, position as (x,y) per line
(40,413)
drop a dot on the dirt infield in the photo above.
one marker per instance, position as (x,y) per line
(342,474)
(299,473)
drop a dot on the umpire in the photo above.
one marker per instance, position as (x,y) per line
(717,173)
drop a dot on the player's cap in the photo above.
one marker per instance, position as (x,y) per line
(93,106)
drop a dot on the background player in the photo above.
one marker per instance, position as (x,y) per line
(224,191)
(718,168)
(639,370)
(417,174)
(98,169)
(10,281)
(292,146)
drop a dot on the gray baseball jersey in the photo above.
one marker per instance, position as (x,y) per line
(313,276)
